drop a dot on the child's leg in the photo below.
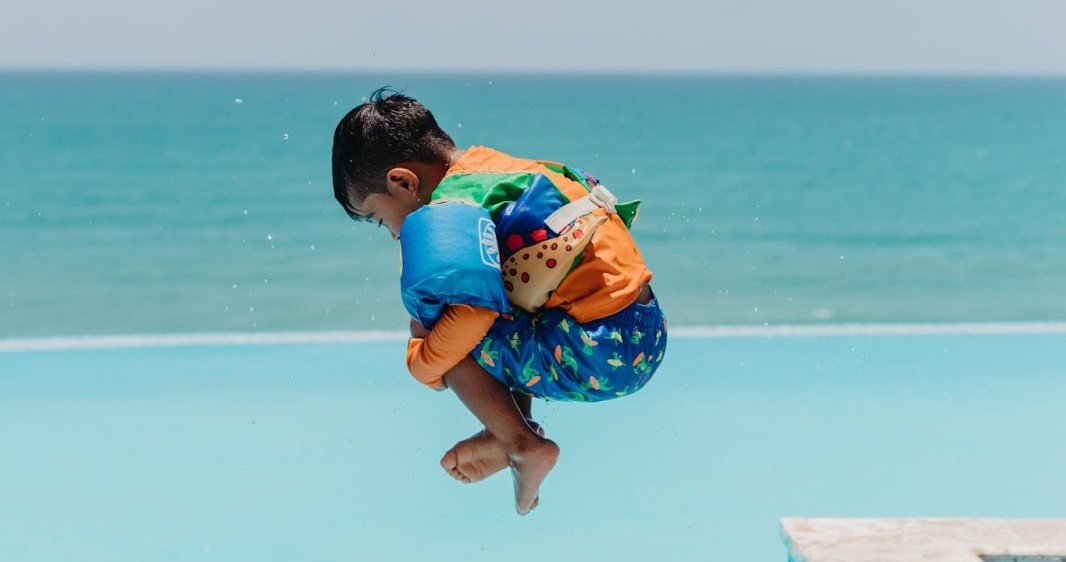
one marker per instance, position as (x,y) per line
(530,456)
(525,405)
(481,455)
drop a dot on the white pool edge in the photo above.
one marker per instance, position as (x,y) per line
(59,343)
(922,539)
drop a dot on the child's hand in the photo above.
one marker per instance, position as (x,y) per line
(418,330)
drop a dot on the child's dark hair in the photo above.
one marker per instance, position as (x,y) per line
(375,136)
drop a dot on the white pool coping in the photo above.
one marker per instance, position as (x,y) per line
(58,343)
(924,540)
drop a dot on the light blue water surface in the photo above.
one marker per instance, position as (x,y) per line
(329,452)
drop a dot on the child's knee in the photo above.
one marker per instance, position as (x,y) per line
(467,367)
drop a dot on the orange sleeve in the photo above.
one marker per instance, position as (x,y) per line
(453,337)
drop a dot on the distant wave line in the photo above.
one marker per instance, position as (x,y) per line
(196,340)
(60,343)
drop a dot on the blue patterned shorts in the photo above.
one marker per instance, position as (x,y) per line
(549,355)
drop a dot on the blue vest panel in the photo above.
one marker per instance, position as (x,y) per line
(450,256)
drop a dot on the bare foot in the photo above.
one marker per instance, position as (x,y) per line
(530,464)
(478,457)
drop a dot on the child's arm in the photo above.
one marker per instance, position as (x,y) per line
(459,330)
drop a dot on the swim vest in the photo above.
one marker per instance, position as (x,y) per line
(449,255)
(557,230)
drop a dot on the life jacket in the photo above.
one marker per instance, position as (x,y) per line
(542,220)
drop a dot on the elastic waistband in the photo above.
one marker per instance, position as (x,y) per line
(637,314)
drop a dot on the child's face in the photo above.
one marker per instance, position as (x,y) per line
(392,207)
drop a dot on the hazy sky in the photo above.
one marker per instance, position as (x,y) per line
(956,36)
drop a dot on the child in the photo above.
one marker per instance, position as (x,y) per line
(572,317)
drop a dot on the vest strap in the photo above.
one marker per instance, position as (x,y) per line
(598,198)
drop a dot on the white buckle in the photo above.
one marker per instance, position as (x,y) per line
(599,197)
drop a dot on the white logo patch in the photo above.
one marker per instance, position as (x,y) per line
(490,251)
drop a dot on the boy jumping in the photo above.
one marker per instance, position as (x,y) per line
(521,277)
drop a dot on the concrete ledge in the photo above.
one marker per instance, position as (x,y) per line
(925,540)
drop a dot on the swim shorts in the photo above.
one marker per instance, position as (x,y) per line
(549,355)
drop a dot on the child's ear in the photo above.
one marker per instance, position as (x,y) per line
(400,180)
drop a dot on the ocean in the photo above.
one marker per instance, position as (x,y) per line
(182,202)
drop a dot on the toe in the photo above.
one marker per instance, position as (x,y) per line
(450,460)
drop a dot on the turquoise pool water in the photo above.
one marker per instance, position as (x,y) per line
(328,451)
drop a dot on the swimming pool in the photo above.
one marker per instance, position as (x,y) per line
(328,451)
